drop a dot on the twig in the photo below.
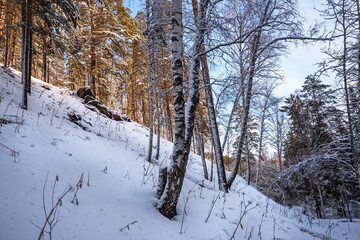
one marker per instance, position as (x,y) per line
(13,152)
(78,186)
(241,217)
(7,108)
(58,203)
(128,226)
(88,180)
(212,206)
(184,211)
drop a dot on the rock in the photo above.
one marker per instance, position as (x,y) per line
(88,98)
(117,117)
(104,110)
(88,92)
(94,103)
(81,92)
(76,118)
(84,91)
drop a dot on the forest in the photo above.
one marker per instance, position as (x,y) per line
(156,68)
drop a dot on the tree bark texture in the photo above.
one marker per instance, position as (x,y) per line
(184,120)
(211,109)
(200,148)
(92,80)
(176,172)
(26,50)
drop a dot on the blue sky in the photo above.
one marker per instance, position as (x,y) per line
(302,59)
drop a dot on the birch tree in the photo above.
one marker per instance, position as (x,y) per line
(344,61)
(271,23)
(263,103)
(211,110)
(278,130)
(184,116)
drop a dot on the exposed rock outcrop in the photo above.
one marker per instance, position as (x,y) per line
(94,104)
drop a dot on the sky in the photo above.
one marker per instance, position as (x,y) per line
(301,60)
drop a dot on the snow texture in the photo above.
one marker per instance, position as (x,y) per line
(119,201)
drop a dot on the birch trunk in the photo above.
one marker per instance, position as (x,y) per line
(262,127)
(254,55)
(176,172)
(200,149)
(184,121)
(346,89)
(238,95)
(211,110)
(158,126)
(247,158)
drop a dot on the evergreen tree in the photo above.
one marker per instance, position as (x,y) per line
(310,111)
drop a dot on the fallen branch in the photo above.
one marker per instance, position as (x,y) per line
(316,235)
(128,226)
(13,152)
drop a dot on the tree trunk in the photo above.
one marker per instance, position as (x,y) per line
(247,159)
(212,162)
(211,111)
(7,39)
(158,126)
(25,10)
(259,152)
(346,89)
(169,121)
(244,120)
(238,95)
(254,56)
(92,69)
(176,173)
(200,148)
(44,63)
(2,20)
(151,73)
(184,122)
(12,49)
(29,52)
(262,129)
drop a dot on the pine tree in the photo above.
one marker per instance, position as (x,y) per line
(46,11)
(311,111)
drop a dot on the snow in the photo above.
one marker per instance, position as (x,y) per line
(42,143)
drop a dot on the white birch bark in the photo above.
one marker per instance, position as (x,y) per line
(211,110)
(184,121)
(176,173)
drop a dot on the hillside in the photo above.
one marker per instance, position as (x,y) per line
(116,200)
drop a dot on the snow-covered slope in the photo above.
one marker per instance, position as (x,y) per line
(41,144)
